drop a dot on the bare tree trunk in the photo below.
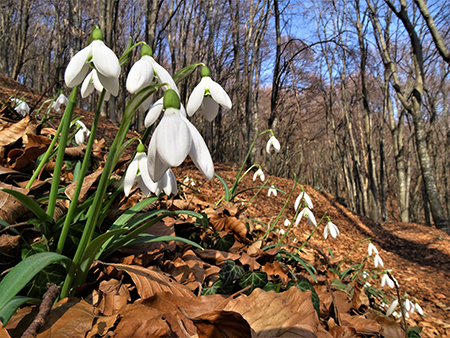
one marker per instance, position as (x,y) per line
(22,32)
(414,108)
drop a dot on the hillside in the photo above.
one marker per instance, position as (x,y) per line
(418,256)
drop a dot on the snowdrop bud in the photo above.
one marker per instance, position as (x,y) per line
(418,308)
(287,222)
(391,309)
(371,249)
(332,228)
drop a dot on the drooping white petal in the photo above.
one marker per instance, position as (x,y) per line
(299,217)
(219,95)
(163,76)
(146,104)
(111,84)
(145,176)
(62,99)
(377,261)
(79,136)
(371,249)
(170,183)
(311,218)
(140,75)
(173,138)
(88,85)
(276,144)
(96,81)
(130,175)
(78,67)
(308,200)
(145,190)
(419,309)
(210,108)
(196,99)
(105,61)
(392,307)
(156,167)
(153,113)
(199,152)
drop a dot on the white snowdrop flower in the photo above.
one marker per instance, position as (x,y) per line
(272,142)
(309,216)
(168,184)
(377,261)
(259,173)
(272,190)
(371,249)
(138,171)
(396,314)
(391,308)
(407,305)
(82,133)
(365,274)
(21,107)
(186,180)
(295,240)
(102,58)
(147,72)
(92,82)
(173,139)
(386,280)
(303,196)
(193,183)
(281,232)
(287,222)
(367,284)
(61,100)
(332,228)
(382,304)
(418,308)
(208,95)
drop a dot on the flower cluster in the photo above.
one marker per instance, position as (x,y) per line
(21,107)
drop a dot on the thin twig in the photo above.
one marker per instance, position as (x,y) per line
(44,309)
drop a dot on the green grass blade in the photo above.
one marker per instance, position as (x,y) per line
(127,215)
(8,310)
(23,272)
(30,204)
(225,187)
(147,238)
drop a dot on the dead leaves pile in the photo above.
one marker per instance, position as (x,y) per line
(156,291)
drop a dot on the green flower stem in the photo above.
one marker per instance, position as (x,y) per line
(96,207)
(60,157)
(238,176)
(312,233)
(83,171)
(282,209)
(47,155)
(348,253)
(256,194)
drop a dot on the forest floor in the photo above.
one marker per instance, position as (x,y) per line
(418,256)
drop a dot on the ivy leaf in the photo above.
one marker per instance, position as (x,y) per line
(270,286)
(218,287)
(257,279)
(225,243)
(230,272)
(304,285)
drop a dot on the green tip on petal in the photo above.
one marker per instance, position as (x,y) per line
(205,72)
(140,148)
(146,50)
(171,99)
(97,34)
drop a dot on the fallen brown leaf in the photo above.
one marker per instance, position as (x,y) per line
(222,324)
(102,326)
(139,321)
(149,282)
(10,208)
(114,295)
(37,145)
(70,317)
(88,182)
(10,133)
(287,314)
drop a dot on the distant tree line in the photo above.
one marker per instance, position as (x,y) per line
(356,91)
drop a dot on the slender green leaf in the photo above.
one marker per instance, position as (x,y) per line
(23,272)
(92,251)
(147,238)
(185,72)
(225,187)
(131,212)
(304,285)
(30,204)
(8,310)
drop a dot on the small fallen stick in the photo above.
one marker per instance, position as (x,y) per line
(44,309)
